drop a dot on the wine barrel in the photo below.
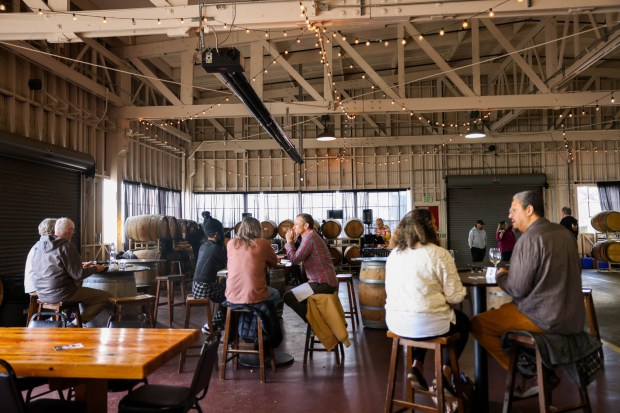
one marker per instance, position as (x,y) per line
(372,295)
(608,251)
(336,255)
(352,251)
(317,226)
(269,229)
(354,228)
(606,221)
(119,285)
(181,229)
(131,228)
(146,227)
(172,227)
(496,297)
(331,229)
(285,226)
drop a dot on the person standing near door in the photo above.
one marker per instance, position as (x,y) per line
(477,241)
(569,222)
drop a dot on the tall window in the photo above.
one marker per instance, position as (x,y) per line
(225,207)
(588,205)
(273,206)
(391,206)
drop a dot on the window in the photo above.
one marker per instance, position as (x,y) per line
(588,205)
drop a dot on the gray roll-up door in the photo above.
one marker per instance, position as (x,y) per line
(485,197)
(30,192)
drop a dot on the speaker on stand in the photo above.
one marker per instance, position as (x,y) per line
(367,218)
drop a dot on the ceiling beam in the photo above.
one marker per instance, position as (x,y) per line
(152,79)
(369,106)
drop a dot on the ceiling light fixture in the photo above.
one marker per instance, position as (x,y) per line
(476,128)
(326,135)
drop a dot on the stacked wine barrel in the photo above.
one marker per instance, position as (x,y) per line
(149,228)
(608,250)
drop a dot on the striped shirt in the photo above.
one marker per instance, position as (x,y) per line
(314,254)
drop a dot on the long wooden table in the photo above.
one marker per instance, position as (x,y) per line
(123,353)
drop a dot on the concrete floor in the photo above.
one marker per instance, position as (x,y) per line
(360,385)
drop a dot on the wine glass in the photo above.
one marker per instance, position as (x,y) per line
(275,248)
(495,256)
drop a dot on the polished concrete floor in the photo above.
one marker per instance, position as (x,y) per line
(360,384)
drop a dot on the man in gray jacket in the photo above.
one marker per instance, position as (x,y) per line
(58,268)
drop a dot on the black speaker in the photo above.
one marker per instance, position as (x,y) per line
(367,216)
(35,84)
(246,215)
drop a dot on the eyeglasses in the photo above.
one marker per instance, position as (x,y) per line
(512,210)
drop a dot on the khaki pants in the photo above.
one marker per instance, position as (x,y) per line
(488,328)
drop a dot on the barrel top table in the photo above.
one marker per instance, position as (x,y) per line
(130,269)
(141,260)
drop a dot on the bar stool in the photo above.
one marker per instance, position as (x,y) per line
(190,302)
(437,345)
(352,313)
(32,307)
(169,281)
(58,307)
(591,316)
(544,395)
(309,349)
(231,329)
(145,302)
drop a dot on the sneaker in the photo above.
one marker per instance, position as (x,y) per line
(205,329)
(525,393)
(417,379)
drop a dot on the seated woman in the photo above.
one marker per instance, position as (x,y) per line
(421,282)
(249,259)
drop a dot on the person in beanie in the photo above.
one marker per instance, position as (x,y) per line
(211,259)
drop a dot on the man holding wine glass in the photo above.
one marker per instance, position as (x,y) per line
(544,281)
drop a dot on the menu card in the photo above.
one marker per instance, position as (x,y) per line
(302,291)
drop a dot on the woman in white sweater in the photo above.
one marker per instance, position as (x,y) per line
(421,282)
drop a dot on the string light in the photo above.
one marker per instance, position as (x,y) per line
(159,22)
(465,24)
(491,13)
(74,17)
(612,98)
(442,32)
(105,20)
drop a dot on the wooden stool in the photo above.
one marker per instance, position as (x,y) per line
(544,394)
(309,349)
(591,316)
(32,307)
(58,307)
(231,328)
(146,302)
(190,301)
(169,281)
(437,345)
(352,313)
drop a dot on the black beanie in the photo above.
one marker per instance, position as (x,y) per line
(211,225)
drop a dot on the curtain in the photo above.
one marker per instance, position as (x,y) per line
(609,194)
(225,207)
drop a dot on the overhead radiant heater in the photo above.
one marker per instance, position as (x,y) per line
(227,64)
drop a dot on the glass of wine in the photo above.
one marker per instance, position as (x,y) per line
(275,248)
(495,256)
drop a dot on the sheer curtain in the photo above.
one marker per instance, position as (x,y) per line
(225,207)
(609,194)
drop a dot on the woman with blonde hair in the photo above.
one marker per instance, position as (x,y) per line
(249,259)
(421,283)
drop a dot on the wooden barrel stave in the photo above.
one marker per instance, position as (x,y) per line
(172,227)
(371,294)
(354,228)
(336,255)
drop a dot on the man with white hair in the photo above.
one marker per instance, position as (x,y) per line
(46,227)
(58,268)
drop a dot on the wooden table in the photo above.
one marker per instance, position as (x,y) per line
(119,353)
(479,284)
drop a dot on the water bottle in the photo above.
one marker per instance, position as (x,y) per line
(112,253)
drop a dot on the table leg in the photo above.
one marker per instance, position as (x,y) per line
(95,393)
(481,372)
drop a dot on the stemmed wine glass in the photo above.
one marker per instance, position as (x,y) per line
(275,248)
(495,256)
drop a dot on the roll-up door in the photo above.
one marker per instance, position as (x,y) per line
(485,197)
(29,192)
